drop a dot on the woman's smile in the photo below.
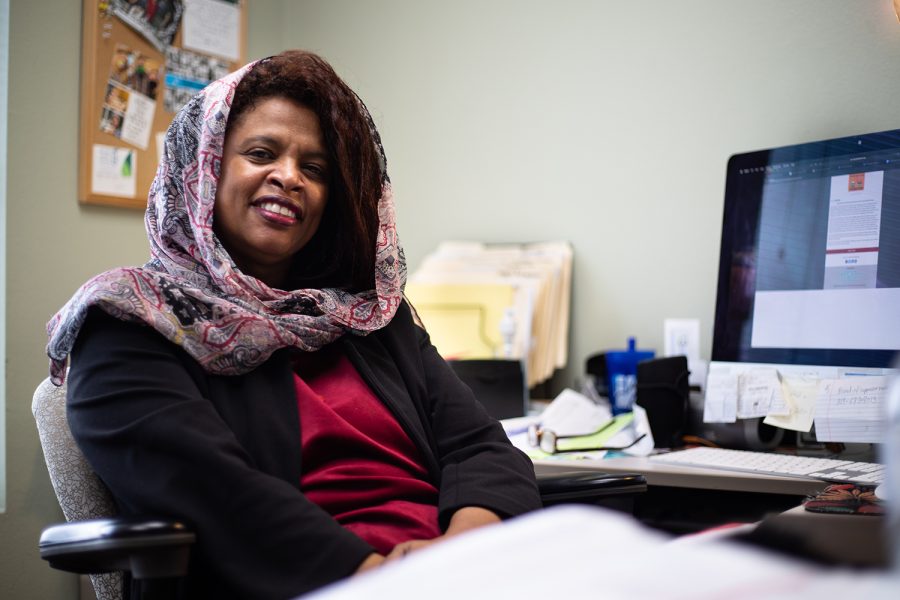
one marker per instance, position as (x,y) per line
(278,210)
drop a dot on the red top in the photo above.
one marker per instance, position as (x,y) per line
(358,463)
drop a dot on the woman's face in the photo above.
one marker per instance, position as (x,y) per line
(273,187)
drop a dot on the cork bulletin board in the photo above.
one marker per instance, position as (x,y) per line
(141,61)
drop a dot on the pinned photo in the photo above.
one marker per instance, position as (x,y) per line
(116,97)
(111,122)
(156,20)
(135,71)
(186,74)
(130,100)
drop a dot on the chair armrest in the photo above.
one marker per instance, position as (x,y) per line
(588,487)
(147,547)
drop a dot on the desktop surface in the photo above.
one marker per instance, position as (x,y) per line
(697,478)
(844,539)
(682,499)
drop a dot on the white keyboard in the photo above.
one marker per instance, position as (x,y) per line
(769,463)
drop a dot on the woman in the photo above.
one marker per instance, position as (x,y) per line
(261,377)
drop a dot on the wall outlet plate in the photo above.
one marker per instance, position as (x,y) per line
(682,338)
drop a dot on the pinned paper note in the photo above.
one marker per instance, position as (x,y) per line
(851,410)
(779,406)
(758,390)
(721,398)
(113,171)
(800,399)
(138,121)
(213,27)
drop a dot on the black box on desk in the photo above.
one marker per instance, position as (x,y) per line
(662,389)
(499,384)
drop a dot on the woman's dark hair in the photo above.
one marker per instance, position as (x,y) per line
(342,252)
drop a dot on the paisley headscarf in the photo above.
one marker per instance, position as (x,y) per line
(190,290)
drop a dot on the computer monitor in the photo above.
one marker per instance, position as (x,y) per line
(809,270)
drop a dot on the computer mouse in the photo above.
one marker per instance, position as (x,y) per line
(881,492)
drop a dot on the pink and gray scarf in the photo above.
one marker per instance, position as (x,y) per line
(190,290)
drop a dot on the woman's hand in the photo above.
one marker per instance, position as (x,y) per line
(465,519)
(470,517)
(373,560)
(404,548)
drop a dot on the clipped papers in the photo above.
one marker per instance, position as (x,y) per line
(845,407)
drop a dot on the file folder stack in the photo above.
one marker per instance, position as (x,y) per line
(510,301)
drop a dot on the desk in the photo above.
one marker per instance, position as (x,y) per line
(856,540)
(682,499)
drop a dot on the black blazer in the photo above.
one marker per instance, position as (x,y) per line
(223,452)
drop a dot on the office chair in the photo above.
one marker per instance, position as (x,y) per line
(155,551)
(94,541)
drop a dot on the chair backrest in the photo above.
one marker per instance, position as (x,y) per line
(80,492)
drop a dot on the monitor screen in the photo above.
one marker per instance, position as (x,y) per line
(809,271)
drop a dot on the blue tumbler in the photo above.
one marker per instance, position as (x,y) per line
(621,371)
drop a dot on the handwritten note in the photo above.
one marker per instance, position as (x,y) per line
(759,391)
(851,410)
(799,394)
(213,27)
(720,402)
(138,120)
